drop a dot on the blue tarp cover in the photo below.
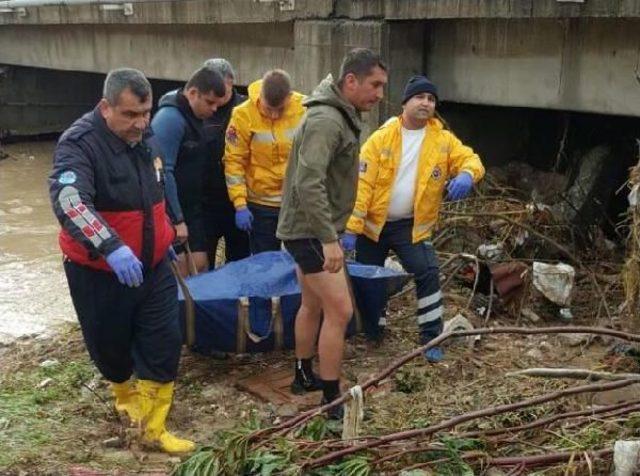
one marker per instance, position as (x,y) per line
(266,275)
(261,277)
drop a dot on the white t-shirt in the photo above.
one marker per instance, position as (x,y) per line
(404,187)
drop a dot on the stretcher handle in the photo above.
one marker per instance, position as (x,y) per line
(276,325)
(190,311)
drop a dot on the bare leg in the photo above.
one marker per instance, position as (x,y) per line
(333,292)
(182,265)
(307,320)
(201,260)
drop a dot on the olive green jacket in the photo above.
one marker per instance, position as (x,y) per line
(322,174)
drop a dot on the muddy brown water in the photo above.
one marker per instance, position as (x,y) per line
(34,298)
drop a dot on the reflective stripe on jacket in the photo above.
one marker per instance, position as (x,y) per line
(257,150)
(106,194)
(442,157)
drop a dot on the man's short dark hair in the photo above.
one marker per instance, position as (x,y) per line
(276,86)
(206,80)
(359,62)
(222,66)
(125,78)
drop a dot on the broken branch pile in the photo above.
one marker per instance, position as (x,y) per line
(471,413)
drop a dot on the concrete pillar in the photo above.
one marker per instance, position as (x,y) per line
(320,46)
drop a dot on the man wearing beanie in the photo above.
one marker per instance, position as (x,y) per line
(406,167)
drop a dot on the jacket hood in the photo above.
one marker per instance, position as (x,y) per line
(295,105)
(327,93)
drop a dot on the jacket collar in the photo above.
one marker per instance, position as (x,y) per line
(116,144)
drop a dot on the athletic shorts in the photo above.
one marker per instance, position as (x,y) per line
(307,253)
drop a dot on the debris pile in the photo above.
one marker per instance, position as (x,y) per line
(508,263)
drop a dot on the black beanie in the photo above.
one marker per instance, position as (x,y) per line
(418,85)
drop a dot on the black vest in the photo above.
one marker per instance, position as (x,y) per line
(194,155)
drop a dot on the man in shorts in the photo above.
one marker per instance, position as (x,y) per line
(319,195)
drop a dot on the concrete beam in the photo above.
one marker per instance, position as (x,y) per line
(434,9)
(161,51)
(190,12)
(588,65)
(252,11)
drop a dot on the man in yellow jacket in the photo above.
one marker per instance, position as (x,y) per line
(406,166)
(258,142)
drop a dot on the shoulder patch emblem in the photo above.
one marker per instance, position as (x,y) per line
(232,135)
(67,177)
(437,173)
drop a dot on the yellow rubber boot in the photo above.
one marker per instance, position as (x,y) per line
(155,398)
(127,400)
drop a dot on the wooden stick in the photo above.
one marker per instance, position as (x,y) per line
(548,459)
(572,373)
(457,420)
(626,407)
(288,425)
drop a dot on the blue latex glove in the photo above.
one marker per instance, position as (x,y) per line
(243,219)
(460,186)
(126,265)
(171,254)
(349,241)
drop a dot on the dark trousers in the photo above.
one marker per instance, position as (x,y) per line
(128,330)
(220,223)
(418,259)
(262,236)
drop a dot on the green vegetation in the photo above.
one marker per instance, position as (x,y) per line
(33,403)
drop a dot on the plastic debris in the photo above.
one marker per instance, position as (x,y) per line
(554,281)
(625,457)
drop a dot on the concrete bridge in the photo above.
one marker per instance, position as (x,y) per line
(567,55)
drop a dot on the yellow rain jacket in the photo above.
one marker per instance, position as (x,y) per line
(442,156)
(257,150)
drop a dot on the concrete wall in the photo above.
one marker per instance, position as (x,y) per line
(252,11)
(575,64)
(162,51)
(204,12)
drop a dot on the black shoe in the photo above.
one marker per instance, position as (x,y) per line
(305,383)
(334,413)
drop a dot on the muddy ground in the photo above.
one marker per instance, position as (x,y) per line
(56,415)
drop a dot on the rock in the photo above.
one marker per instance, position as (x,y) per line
(535,354)
(459,323)
(617,395)
(4,423)
(120,457)
(530,315)
(493,471)
(287,410)
(574,339)
(214,392)
(49,363)
(44,383)
(114,442)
